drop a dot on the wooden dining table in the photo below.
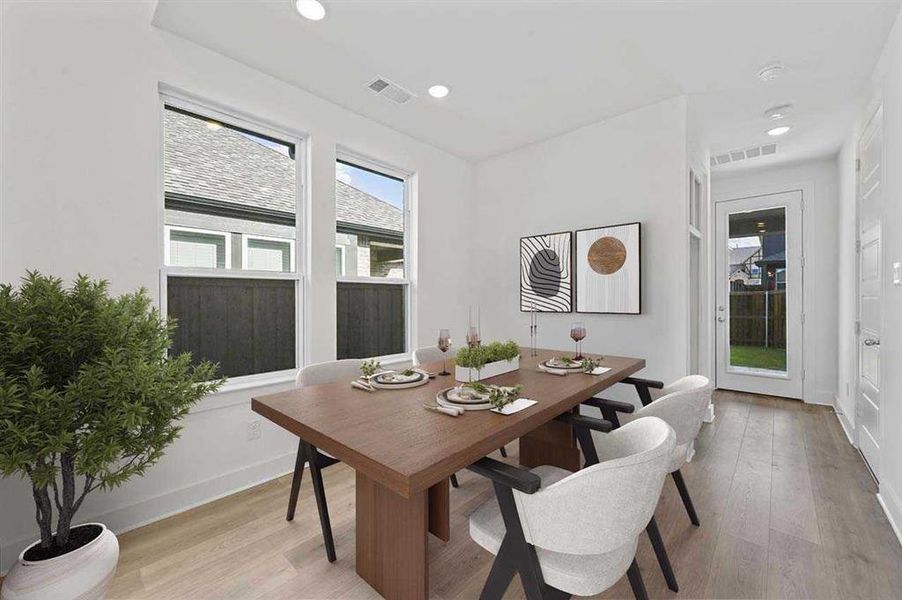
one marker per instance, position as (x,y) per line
(403,454)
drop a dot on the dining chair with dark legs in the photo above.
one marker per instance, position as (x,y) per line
(682,404)
(537,525)
(431,354)
(327,372)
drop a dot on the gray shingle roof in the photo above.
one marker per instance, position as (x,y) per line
(225,165)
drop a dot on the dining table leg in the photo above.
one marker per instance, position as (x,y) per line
(552,443)
(391,540)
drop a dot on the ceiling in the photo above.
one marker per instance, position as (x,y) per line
(523,71)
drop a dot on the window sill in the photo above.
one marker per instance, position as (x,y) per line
(228,394)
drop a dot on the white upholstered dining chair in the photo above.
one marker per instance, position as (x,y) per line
(430,354)
(542,526)
(682,405)
(316,374)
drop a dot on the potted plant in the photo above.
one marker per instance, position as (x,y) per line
(88,399)
(489,360)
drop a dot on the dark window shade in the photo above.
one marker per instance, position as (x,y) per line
(246,325)
(371,320)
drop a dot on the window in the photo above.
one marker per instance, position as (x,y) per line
(371,259)
(268,254)
(340,261)
(197,248)
(230,240)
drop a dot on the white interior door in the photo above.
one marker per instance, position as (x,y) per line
(758,313)
(870,310)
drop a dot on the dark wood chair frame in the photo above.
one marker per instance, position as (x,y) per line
(307,453)
(454,482)
(516,555)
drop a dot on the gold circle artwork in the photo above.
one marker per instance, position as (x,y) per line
(606,255)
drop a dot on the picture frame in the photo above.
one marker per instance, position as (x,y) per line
(608,269)
(546,272)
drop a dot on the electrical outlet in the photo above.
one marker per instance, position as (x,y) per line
(253,430)
(897,273)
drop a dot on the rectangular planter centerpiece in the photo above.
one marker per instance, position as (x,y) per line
(492,369)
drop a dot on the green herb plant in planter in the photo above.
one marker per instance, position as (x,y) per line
(88,400)
(496,358)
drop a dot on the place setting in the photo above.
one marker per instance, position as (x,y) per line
(565,365)
(374,378)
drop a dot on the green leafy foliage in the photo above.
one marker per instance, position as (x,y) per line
(501,396)
(588,364)
(88,394)
(370,367)
(479,356)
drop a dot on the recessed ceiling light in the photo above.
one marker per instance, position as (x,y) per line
(778,112)
(214,125)
(778,130)
(770,72)
(439,91)
(310,9)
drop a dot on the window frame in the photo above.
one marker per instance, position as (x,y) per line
(179,99)
(292,259)
(178,228)
(344,255)
(346,155)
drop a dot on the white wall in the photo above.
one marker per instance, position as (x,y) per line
(630,168)
(81,192)
(885,88)
(819,224)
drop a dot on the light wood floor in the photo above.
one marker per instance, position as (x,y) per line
(787,511)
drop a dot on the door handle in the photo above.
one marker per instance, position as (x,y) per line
(872,342)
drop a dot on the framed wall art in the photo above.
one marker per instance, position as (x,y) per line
(546,278)
(608,269)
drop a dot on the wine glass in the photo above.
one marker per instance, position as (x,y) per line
(444,343)
(577,334)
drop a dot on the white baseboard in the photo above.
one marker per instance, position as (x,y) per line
(822,398)
(171,503)
(892,507)
(844,421)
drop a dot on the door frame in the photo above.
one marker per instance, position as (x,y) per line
(721,191)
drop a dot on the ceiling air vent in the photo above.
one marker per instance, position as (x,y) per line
(390,91)
(738,155)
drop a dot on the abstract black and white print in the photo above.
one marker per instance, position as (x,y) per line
(545,273)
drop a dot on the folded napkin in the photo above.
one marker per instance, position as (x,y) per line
(551,371)
(515,406)
(600,370)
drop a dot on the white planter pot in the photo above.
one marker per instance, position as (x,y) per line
(84,574)
(489,370)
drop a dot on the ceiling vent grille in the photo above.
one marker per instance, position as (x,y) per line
(739,155)
(390,91)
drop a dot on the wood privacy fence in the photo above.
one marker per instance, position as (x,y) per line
(245,325)
(370,319)
(758,319)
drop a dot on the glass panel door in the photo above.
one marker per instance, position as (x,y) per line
(759,294)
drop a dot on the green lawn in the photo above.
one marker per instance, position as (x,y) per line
(758,357)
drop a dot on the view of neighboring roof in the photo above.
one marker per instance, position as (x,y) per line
(742,254)
(229,166)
